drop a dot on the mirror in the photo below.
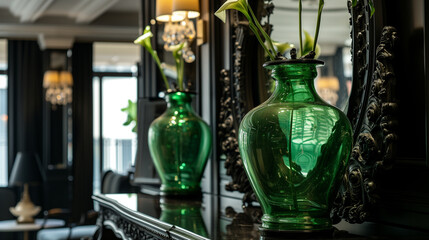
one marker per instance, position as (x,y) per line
(190,56)
(280,18)
(368,101)
(335,78)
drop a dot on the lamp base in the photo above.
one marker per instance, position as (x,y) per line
(25,209)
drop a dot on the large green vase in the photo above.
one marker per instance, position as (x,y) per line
(179,143)
(295,148)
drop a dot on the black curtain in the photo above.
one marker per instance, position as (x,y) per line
(82,128)
(25,98)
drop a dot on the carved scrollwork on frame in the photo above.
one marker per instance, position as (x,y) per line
(362,49)
(373,151)
(229,144)
(237,100)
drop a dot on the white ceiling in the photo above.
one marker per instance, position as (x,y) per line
(116,54)
(109,20)
(57,23)
(83,11)
(114,20)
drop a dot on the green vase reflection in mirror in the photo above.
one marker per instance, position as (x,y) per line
(179,143)
(295,148)
(184,214)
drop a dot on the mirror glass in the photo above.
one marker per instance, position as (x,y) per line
(335,78)
(167,36)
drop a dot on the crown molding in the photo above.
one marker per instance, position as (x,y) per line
(29,11)
(88,10)
(77,32)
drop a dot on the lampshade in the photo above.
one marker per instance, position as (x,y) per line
(164,10)
(189,7)
(50,78)
(26,169)
(66,78)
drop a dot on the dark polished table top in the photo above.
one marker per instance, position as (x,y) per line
(219,217)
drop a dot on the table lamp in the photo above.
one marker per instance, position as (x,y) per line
(26,169)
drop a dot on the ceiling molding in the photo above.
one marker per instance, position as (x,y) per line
(88,10)
(50,42)
(78,32)
(29,11)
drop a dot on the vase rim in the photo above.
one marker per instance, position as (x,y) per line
(293,61)
(169,92)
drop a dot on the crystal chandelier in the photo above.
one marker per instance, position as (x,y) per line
(58,85)
(179,27)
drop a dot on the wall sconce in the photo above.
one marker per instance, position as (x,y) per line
(164,9)
(178,28)
(187,9)
(58,85)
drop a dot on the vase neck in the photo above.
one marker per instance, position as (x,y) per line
(294,83)
(179,101)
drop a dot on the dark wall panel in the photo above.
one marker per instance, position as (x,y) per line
(82,128)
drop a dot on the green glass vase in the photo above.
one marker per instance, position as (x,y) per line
(295,148)
(179,143)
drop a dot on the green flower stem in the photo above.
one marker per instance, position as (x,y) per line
(266,36)
(158,63)
(180,68)
(300,26)
(255,30)
(319,16)
(178,59)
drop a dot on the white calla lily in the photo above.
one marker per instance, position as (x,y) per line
(239,5)
(142,40)
(243,7)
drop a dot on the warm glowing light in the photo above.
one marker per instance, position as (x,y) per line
(58,87)
(164,10)
(186,8)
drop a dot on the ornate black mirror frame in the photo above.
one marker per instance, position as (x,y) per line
(372,107)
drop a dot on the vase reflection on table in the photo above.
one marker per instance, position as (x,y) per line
(180,143)
(184,214)
(295,148)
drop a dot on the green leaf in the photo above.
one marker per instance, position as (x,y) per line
(282,47)
(178,59)
(239,5)
(308,45)
(354,3)
(131,111)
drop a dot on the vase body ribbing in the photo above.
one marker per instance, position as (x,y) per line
(295,148)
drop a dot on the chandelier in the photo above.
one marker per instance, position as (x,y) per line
(179,27)
(58,85)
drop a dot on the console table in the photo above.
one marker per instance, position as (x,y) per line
(142,216)
(13,226)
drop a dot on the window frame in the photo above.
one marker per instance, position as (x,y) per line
(100,76)
(7,170)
